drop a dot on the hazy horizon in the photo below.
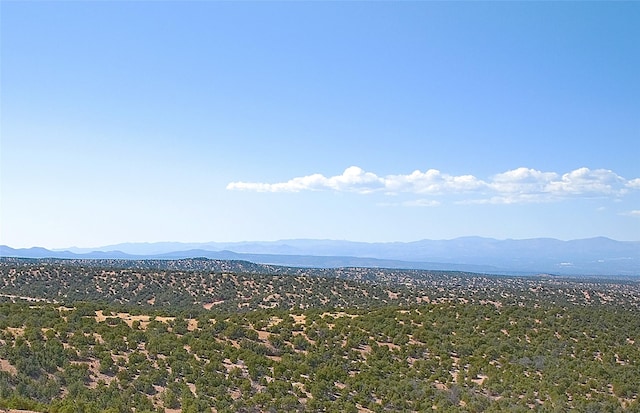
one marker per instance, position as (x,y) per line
(88,247)
(363,121)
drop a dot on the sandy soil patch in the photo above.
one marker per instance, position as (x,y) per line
(209,306)
(8,367)
(362,409)
(339,314)
(299,319)
(481,378)
(126,317)
(16,332)
(100,317)
(390,345)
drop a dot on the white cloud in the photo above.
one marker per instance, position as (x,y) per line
(520,185)
(585,181)
(634,183)
(353,179)
(521,198)
(522,180)
(421,203)
(431,182)
(632,213)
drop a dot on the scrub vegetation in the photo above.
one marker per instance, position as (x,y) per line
(191,336)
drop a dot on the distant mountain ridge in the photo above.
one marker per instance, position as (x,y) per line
(591,256)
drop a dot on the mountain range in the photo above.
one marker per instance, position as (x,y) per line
(592,256)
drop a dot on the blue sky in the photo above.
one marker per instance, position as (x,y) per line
(364,121)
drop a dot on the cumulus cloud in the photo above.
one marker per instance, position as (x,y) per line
(353,179)
(520,185)
(586,181)
(634,183)
(431,182)
(522,181)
